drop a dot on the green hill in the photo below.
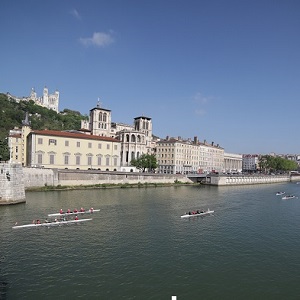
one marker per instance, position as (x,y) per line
(12,114)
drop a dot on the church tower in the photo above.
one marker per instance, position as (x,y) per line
(100,121)
(45,97)
(144,124)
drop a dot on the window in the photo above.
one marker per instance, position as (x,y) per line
(78,144)
(107,146)
(99,160)
(16,149)
(89,161)
(40,158)
(40,141)
(107,161)
(52,141)
(67,143)
(77,159)
(66,159)
(116,147)
(115,161)
(90,145)
(51,157)
(99,146)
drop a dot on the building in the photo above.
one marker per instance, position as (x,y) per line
(250,162)
(135,139)
(175,155)
(70,150)
(63,149)
(233,163)
(50,101)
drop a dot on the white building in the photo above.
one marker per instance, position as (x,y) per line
(50,101)
(233,162)
(175,155)
(250,162)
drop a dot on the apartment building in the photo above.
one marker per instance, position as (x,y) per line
(175,155)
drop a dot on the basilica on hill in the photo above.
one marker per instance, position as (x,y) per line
(50,101)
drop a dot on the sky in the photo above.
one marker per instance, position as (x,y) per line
(227,72)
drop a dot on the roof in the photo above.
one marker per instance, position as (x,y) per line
(142,117)
(16,135)
(73,135)
(99,108)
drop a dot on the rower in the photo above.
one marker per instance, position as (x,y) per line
(68,211)
(75,210)
(92,210)
(76,218)
(61,211)
(81,209)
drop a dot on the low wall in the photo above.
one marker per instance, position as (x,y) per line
(34,177)
(12,188)
(244,180)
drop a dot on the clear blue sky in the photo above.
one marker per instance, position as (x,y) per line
(225,71)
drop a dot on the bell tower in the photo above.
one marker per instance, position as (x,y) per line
(100,121)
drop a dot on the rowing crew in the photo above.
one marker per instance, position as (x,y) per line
(82,210)
(196,212)
(55,220)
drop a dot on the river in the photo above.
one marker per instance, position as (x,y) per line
(138,247)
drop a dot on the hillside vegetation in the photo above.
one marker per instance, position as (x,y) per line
(12,114)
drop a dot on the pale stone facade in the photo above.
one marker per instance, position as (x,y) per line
(135,139)
(187,156)
(233,163)
(250,162)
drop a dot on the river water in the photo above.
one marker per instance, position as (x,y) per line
(138,247)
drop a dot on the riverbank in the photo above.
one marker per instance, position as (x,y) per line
(106,186)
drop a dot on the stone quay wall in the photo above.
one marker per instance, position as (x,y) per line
(12,188)
(245,180)
(35,177)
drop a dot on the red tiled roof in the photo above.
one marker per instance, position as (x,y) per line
(17,135)
(73,135)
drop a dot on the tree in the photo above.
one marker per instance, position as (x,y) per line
(145,161)
(270,163)
(4,150)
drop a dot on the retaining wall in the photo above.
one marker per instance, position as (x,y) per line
(244,180)
(34,177)
(12,188)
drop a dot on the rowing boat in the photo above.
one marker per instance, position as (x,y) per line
(90,211)
(280,193)
(288,197)
(48,224)
(208,212)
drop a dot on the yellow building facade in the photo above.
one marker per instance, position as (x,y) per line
(71,150)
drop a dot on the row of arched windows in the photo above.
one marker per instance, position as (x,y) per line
(132,138)
(102,117)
